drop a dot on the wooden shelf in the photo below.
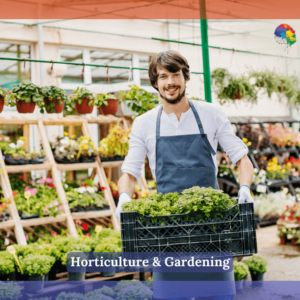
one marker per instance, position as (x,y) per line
(44,220)
(112,164)
(92,214)
(7,224)
(73,167)
(28,168)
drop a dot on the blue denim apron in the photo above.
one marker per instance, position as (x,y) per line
(184,161)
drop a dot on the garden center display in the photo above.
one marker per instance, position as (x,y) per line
(108,103)
(83,100)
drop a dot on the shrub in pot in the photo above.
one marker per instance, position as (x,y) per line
(3,100)
(240,270)
(83,100)
(108,103)
(282,235)
(25,96)
(7,269)
(137,101)
(54,99)
(257,266)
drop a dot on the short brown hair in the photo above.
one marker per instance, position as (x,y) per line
(170,60)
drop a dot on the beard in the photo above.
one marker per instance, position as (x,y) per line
(176,100)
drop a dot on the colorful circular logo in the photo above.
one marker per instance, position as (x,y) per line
(285,34)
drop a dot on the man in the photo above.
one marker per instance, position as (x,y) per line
(180,139)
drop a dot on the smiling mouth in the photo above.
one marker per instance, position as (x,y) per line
(172,89)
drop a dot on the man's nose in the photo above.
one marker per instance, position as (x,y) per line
(170,80)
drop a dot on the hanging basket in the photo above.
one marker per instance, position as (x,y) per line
(111,108)
(84,107)
(57,107)
(238,95)
(25,108)
(1,104)
(126,110)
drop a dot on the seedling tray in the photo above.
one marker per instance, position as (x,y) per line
(233,231)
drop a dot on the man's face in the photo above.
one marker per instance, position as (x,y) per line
(171,86)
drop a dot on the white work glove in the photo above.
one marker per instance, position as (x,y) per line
(124,197)
(245,195)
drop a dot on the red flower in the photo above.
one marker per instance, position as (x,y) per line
(15,193)
(85,226)
(22,177)
(85,185)
(292,213)
(103,188)
(51,185)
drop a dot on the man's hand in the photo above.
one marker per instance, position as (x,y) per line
(122,199)
(245,195)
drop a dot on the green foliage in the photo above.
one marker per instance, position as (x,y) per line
(53,93)
(80,248)
(102,291)
(76,199)
(82,93)
(34,264)
(266,79)
(141,100)
(257,264)
(25,91)
(50,251)
(4,93)
(6,266)
(219,75)
(240,270)
(70,296)
(22,251)
(195,199)
(288,86)
(101,99)
(62,243)
(9,290)
(136,290)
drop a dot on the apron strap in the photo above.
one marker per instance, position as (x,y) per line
(158,121)
(197,117)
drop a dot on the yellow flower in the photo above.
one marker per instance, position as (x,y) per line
(65,133)
(275,160)
(73,136)
(288,164)
(245,140)
(283,230)
(94,147)
(283,171)
(100,149)
(278,167)
(23,138)
(249,144)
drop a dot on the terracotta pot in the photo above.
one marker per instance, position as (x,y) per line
(282,240)
(290,218)
(298,219)
(57,107)
(24,107)
(84,107)
(238,95)
(111,108)
(294,240)
(1,103)
(282,217)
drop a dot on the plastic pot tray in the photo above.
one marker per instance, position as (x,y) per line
(37,161)
(115,158)
(231,231)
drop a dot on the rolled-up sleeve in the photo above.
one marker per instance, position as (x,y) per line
(234,147)
(135,158)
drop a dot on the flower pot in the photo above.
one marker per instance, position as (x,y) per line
(57,107)
(111,108)
(24,107)
(37,161)
(25,217)
(257,277)
(87,159)
(298,219)
(282,240)
(111,271)
(65,160)
(84,107)
(127,111)
(6,277)
(76,276)
(282,217)
(238,95)
(239,284)
(294,240)
(1,104)
(9,160)
(290,218)
(35,284)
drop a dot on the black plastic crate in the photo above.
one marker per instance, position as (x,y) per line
(233,231)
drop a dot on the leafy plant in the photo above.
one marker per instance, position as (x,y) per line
(257,264)
(266,79)
(240,270)
(101,99)
(195,199)
(3,94)
(53,93)
(34,264)
(9,290)
(79,95)
(141,101)
(7,266)
(49,250)
(134,292)
(70,296)
(288,86)
(283,137)
(80,250)
(102,291)
(86,147)
(275,171)
(25,91)
(219,77)
(115,144)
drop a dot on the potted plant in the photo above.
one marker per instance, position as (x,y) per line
(112,251)
(35,266)
(9,290)
(25,96)
(295,236)
(83,99)
(7,268)
(133,290)
(3,100)
(87,150)
(15,154)
(282,235)
(137,101)
(37,158)
(288,86)
(115,146)
(275,171)
(54,99)
(257,266)
(108,103)
(4,214)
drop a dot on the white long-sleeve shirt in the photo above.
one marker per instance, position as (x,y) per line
(215,124)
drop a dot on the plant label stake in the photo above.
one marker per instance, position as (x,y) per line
(98,228)
(12,251)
